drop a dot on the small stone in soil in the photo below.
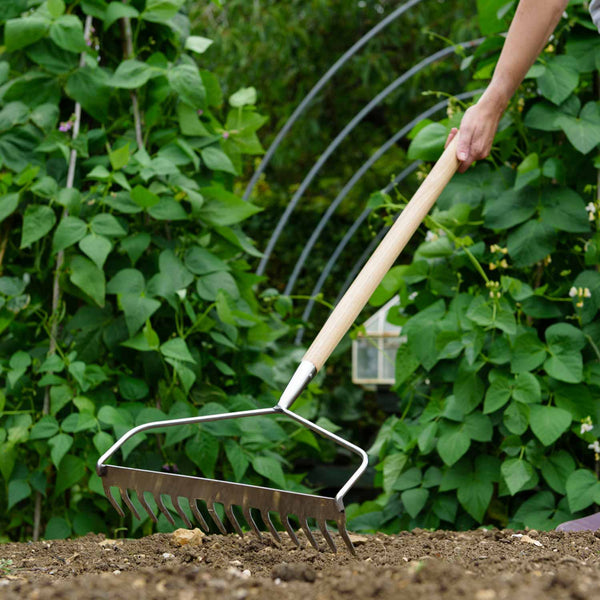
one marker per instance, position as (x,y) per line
(192,537)
(293,572)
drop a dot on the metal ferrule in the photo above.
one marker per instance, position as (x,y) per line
(301,378)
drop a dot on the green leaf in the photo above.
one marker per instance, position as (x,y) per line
(406,364)
(144,197)
(88,278)
(215,159)
(97,248)
(38,221)
(8,205)
(414,500)
(106,224)
(527,388)
(22,32)
(56,8)
(428,143)
(528,353)
(70,198)
(548,423)
(270,468)
(136,245)
(118,10)
(8,456)
(488,12)
(528,171)
(510,208)
(18,489)
(177,348)
(202,262)
(497,395)
(583,489)
(127,281)
(478,427)
(409,479)
(243,97)
(556,469)
(60,444)
(237,459)
(559,78)
(209,286)
(393,465)
(516,417)
(132,74)
(69,231)
(91,86)
(67,33)
(45,428)
(57,528)
(531,242)
(224,208)
(516,473)
(189,122)
(564,209)
(203,450)
(119,158)
(71,471)
(544,116)
(583,131)
(565,343)
(421,331)
(168,209)
(453,444)
(475,497)
(185,80)
(137,309)
(160,11)
(198,44)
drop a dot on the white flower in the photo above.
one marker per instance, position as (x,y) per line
(595,447)
(431,236)
(587,293)
(412,296)
(181,293)
(585,427)
(573,292)
(591,207)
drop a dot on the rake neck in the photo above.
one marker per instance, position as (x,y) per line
(301,378)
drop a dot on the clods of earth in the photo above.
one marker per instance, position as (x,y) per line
(476,565)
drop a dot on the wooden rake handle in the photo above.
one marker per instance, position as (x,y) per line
(382,259)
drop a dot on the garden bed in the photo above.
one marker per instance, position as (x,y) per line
(480,565)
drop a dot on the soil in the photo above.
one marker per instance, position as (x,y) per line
(478,565)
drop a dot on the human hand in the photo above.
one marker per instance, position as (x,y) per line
(477,130)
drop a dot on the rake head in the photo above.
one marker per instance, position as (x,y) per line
(248,498)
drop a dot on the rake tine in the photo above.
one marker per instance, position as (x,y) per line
(327,536)
(233,520)
(163,509)
(291,532)
(125,496)
(180,512)
(215,517)
(109,494)
(342,531)
(266,517)
(250,520)
(308,532)
(146,506)
(198,515)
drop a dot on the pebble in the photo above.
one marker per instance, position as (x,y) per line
(168,555)
(191,537)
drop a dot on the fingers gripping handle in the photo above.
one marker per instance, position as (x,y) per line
(382,259)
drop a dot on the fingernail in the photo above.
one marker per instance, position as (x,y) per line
(462,156)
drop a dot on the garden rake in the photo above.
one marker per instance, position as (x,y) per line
(263,499)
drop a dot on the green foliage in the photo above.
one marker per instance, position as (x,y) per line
(499,308)
(126,295)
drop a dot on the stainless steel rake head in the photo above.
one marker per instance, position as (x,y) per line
(212,492)
(267,500)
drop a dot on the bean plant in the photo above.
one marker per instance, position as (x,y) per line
(499,379)
(126,292)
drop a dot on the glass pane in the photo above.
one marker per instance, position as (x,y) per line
(390,348)
(366,359)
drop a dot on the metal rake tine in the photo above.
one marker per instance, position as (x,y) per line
(341,523)
(233,520)
(308,532)
(291,532)
(215,517)
(125,497)
(163,509)
(109,494)
(146,506)
(180,512)
(250,520)
(327,535)
(198,515)
(267,519)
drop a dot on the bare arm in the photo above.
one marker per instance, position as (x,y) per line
(534,22)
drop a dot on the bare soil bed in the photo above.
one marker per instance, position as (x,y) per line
(479,565)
